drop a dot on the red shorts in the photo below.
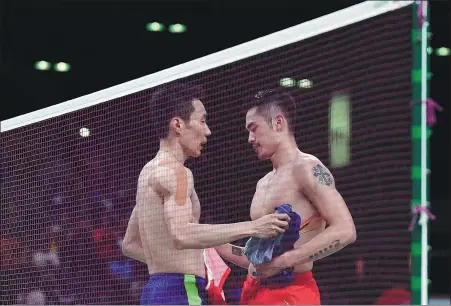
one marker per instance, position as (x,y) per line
(303,291)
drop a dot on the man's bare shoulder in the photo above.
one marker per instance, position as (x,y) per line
(264,179)
(305,161)
(309,168)
(148,168)
(164,176)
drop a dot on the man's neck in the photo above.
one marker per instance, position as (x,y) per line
(172,149)
(285,154)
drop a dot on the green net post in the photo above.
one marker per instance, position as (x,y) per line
(420,152)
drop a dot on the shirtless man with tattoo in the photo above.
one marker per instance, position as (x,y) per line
(301,180)
(164,230)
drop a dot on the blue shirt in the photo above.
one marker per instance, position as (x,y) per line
(263,250)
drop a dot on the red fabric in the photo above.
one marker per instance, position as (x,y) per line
(394,296)
(214,294)
(217,272)
(303,291)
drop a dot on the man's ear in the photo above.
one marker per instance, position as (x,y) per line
(176,124)
(279,122)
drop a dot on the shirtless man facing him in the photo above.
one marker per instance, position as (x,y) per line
(298,179)
(163,230)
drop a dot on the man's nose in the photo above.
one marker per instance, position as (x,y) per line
(251,139)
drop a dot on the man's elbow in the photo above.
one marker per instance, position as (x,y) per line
(126,248)
(350,235)
(179,241)
(185,241)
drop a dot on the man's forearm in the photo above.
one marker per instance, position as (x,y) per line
(134,251)
(322,245)
(233,254)
(202,236)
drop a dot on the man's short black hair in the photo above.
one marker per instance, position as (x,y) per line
(266,100)
(173,100)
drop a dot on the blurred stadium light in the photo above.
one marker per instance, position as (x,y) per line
(305,83)
(155,27)
(287,82)
(177,28)
(85,132)
(62,67)
(42,65)
(443,51)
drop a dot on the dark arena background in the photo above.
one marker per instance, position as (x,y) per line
(74,195)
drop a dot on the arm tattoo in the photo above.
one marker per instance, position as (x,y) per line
(237,250)
(333,247)
(322,175)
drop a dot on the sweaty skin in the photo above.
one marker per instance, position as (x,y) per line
(279,187)
(160,253)
(164,230)
(167,234)
(301,180)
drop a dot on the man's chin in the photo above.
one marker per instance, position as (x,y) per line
(196,154)
(262,157)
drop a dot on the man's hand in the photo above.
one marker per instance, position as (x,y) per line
(271,268)
(270,226)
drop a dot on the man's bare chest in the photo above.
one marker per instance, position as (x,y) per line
(278,189)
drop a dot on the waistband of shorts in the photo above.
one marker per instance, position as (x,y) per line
(298,279)
(302,278)
(187,278)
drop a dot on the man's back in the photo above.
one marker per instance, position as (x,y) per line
(160,252)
